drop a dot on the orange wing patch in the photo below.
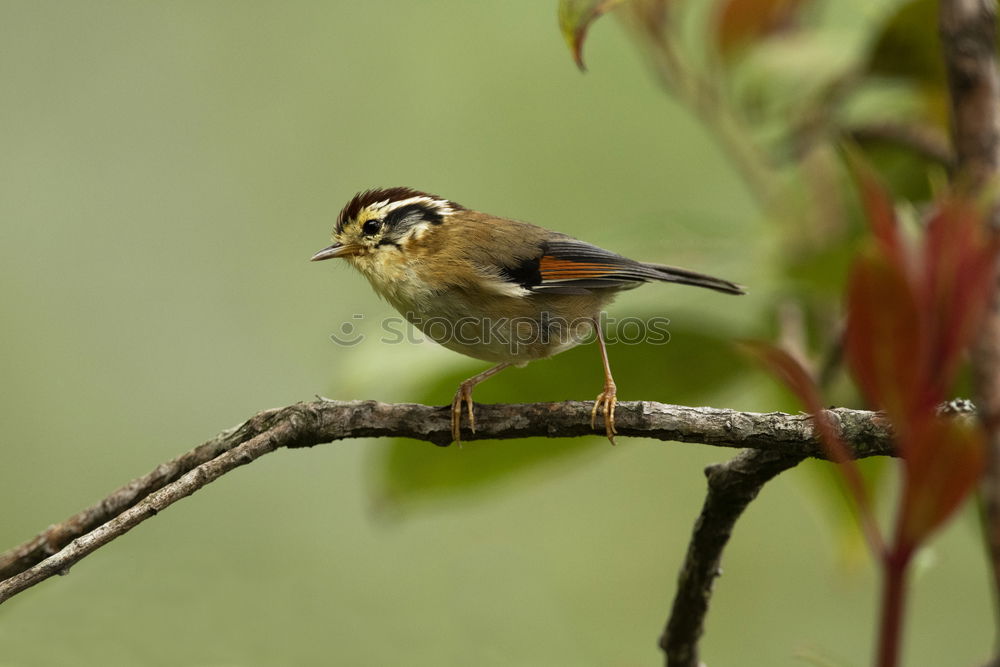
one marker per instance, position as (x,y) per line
(553,268)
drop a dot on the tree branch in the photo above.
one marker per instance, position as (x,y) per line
(57,536)
(968,40)
(731,487)
(307,424)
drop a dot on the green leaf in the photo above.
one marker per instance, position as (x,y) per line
(575,19)
(908,45)
(908,48)
(688,370)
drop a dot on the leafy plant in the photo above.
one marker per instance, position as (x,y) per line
(913,302)
(912,311)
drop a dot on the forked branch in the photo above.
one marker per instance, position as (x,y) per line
(306,424)
(731,487)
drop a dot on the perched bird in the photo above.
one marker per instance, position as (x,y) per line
(494,289)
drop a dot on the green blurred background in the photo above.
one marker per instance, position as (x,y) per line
(167,170)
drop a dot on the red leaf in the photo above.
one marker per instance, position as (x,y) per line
(885,341)
(880,211)
(786,368)
(958,282)
(943,464)
(739,23)
(798,380)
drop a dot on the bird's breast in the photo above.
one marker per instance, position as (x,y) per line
(496,328)
(397,281)
(468,313)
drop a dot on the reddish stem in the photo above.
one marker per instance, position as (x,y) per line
(895,567)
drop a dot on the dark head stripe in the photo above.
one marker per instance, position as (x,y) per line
(363,200)
(422,211)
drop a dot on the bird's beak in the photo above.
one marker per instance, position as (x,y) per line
(333,251)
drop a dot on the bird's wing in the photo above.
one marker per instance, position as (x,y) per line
(562,265)
(532,259)
(569,263)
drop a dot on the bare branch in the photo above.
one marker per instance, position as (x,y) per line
(968,40)
(147,508)
(57,536)
(308,424)
(731,487)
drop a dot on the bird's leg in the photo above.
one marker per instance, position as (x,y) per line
(607,399)
(464,395)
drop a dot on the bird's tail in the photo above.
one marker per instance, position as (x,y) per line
(673,274)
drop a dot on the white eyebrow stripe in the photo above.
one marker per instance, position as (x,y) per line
(387,206)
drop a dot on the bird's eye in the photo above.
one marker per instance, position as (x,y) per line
(371,227)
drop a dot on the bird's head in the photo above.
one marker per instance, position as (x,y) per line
(382,221)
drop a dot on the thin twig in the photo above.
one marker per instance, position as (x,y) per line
(308,424)
(55,537)
(148,507)
(731,487)
(924,140)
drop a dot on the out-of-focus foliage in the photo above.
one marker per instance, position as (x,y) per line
(740,24)
(690,370)
(913,311)
(786,139)
(575,17)
(168,169)
(910,311)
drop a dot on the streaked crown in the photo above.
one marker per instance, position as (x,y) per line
(395,207)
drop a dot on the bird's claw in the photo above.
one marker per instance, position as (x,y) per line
(606,402)
(463,395)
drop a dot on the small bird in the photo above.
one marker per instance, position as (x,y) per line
(499,290)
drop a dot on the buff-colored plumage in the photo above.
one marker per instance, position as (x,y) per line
(494,289)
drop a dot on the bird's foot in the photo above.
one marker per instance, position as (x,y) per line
(605,403)
(463,395)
